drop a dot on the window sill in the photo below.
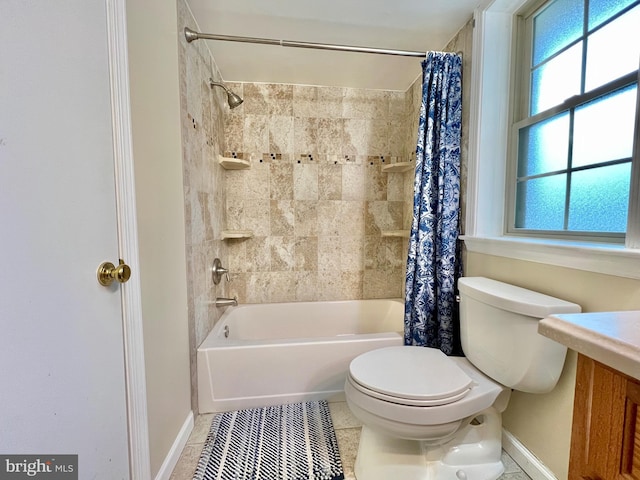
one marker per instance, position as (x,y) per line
(591,257)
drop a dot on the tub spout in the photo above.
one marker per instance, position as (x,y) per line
(226,302)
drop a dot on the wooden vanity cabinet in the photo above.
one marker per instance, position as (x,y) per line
(605,437)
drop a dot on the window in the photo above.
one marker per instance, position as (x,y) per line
(575,116)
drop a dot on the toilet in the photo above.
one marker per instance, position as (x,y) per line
(429,416)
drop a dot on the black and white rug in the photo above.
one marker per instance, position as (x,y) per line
(285,442)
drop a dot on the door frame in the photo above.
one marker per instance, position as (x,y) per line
(133,340)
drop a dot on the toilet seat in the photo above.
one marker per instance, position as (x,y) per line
(414,376)
(483,393)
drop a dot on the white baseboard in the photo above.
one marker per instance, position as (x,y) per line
(529,463)
(171,460)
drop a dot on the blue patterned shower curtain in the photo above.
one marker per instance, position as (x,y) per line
(433,265)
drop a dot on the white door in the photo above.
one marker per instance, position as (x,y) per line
(62,377)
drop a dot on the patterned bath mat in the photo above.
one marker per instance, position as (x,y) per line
(286,442)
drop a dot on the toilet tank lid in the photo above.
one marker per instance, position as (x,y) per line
(514,299)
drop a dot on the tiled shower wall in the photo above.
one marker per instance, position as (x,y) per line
(315,197)
(202,118)
(462,42)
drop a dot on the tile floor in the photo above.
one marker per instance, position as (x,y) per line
(347,432)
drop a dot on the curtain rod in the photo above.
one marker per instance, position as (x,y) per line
(192,35)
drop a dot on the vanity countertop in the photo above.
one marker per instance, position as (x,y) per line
(611,338)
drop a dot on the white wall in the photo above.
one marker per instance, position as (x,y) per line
(153,64)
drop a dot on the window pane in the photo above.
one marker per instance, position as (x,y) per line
(601,10)
(544,146)
(603,128)
(540,203)
(600,199)
(555,81)
(556,27)
(613,50)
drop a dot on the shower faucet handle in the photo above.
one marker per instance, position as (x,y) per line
(217,270)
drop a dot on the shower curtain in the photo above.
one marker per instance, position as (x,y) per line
(433,265)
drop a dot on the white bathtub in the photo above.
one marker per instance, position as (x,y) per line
(290,352)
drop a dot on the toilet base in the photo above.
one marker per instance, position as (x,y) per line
(473,454)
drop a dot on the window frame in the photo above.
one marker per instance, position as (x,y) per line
(519,115)
(490,112)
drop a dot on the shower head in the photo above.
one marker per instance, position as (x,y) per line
(232,99)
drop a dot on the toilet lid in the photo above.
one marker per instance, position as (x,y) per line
(412,375)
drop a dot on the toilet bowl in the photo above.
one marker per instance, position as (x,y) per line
(429,416)
(419,393)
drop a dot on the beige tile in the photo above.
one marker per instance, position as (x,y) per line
(282,286)
(383,252)
(330,133)
(238,286)
(340,286)
(395,187)
(256,217)
(351,253)
(282,254)
(280,97)
(237,255)
(376,182)
(329,260)
(257,288)
(306,254)
(255,134)
(353,182)
(361,103)
(329,218)
(281,134)
(201,428)
(305,135)
(355,137)
(282,217)
(340,218)
(235,184)
(398,138)
(348,441)
(380,216)
(306,286)
(330,102)
(186,466)
(305,182)
(383,283)
(342,417)
(281,181)
(305,101)
(330,182)
(235,214)
(256,100)
(257,182)
(351,218)
(514,476)
(377,136)
(398,104)
(258,254)
(306,218)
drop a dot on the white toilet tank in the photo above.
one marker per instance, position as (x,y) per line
(499,333)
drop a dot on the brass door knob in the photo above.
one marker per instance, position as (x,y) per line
(108,272)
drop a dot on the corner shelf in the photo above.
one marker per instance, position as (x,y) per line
(398,167)
(233,163)
(232,234)
(396,233)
